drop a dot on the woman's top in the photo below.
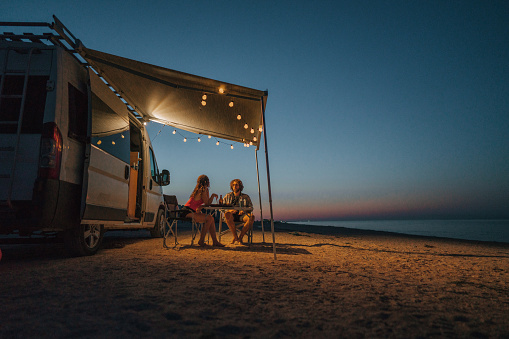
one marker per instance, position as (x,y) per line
(194,204)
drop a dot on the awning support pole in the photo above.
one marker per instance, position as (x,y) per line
(259,196)
(268,180)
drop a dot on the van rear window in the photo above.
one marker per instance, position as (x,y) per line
(11,102)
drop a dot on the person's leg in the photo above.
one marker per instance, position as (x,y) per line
(228,216)
(248,223)
(211,226)
(201,218)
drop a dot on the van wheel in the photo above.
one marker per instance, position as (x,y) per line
(84,239)
(159,227)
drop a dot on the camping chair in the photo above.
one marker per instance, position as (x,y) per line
(239,225)
(173,216)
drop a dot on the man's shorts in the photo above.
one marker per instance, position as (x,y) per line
(237,217)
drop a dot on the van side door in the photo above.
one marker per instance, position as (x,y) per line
(107,160)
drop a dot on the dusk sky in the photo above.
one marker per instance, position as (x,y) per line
(376,109)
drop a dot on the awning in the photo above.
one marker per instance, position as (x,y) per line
(185,101)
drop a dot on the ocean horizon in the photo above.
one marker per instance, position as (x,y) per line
(477,229)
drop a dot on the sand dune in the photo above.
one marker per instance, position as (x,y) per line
(330,283)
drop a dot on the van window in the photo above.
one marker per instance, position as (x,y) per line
(110,131)
(78,113)
(154,171)
(34,104)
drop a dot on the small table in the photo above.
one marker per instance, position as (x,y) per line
(222,209)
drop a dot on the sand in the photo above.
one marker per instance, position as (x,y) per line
(331,283)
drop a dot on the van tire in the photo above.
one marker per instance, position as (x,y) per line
(159,227)
(84,239)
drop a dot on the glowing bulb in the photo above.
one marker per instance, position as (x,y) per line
(254,139)
(210,136)
(113,142)
(185,139)
(199,140)
(99,142)
(174,131)
(204,97)
(260,129)
(217,143)
(247,145)
(231,146)
(144,123)
(239,117)
(230,104)
(251,143)
(122,136)
(221,90)
(252,130)
(246,126)
(203,103)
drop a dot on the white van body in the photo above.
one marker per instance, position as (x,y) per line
(73,158)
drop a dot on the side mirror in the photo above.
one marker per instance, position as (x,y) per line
(165,178)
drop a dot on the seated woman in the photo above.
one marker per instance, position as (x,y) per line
(199,197)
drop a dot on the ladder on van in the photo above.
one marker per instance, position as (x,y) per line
(13,150)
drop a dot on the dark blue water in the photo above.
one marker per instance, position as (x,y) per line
(483,230)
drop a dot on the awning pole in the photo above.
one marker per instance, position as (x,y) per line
(259,195)
(268,180)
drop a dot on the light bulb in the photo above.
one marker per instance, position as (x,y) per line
(99,142)
(231,146)
(113,142)
(185,139)
(230,104)
(199,140)
(204,97)
(251,143)
(122,136)
(254,139)
(210,136)
(252,130)
(144,123)
(221,90)
(174,131)
(260,129)
(203,103)
(246,126)
(239,117)
(217,143)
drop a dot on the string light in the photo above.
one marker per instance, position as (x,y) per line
(185,139)
(122,136)
(113,142)
(255,138)
(260,129)
(231,103)
(210,136)
(204,97)
(221,90)
(199,140)
(174,131)
(252,130)
(231,146)
(239,117)
(99,142)
(203,103)
(246,126)
(217,143)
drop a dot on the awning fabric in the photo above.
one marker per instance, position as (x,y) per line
(175,98)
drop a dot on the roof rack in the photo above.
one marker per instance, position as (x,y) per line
(59,36)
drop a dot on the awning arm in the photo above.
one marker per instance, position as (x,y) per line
(259,196)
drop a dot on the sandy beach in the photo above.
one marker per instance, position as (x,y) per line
(327,282)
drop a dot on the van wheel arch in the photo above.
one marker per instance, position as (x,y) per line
(159,227)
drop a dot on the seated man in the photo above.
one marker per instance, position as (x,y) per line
(237,198)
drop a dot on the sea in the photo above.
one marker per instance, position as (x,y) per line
(482,230)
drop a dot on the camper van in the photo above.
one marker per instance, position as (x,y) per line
(75,161)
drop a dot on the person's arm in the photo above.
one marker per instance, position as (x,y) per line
(205,197)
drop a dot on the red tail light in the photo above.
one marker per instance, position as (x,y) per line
(51,152)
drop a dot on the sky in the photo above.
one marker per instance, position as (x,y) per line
(376,109)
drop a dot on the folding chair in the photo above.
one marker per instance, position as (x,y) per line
(239,225)
(173,216)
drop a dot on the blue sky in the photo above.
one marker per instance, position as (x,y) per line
(376,109)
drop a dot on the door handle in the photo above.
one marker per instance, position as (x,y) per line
(126,173)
